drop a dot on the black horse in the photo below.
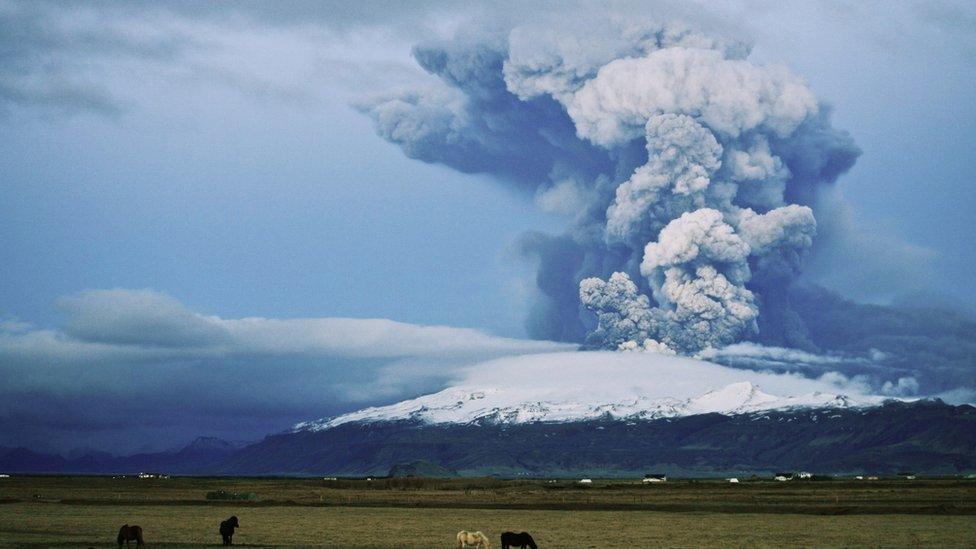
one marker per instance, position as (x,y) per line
(130,533)
(227,529)
(522,540)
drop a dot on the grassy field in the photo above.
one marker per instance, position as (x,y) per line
(79,511)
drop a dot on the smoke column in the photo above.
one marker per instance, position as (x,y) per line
(690,172)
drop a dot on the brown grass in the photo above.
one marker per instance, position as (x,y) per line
(174,512)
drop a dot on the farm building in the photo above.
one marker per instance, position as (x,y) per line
(654,478)
(586,481)
(782,477)
(153,475)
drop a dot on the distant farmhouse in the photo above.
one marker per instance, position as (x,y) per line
(802,475)
(654,478)
(153,475)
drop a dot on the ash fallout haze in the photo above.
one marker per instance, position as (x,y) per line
(241,219)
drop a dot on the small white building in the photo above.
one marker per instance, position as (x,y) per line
(586,481)
(805,474)
(654,478)
(783,477)
(4,475)
(734,480)
(152,475)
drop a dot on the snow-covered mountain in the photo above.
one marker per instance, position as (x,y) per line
(584,386)
(497,405)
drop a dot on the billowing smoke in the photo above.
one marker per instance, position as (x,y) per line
(623,314)
(689,171)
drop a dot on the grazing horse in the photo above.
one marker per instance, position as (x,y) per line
(227,529)
(128,533)
(522,540)
(475,539)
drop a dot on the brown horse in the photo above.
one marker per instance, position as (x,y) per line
(128,533)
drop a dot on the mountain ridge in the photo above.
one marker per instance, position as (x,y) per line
(470,404)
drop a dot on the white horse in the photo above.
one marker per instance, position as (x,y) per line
(474,539)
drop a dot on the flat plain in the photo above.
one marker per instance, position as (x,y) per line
(181,512)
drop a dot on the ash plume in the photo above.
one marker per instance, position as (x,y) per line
(691,173)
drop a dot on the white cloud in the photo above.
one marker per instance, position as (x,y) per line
(610,374)
(962,395)
(903,387)
(774,355)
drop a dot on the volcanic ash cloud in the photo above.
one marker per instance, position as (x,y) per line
(690,172)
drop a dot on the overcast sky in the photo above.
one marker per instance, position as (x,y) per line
(206,156)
